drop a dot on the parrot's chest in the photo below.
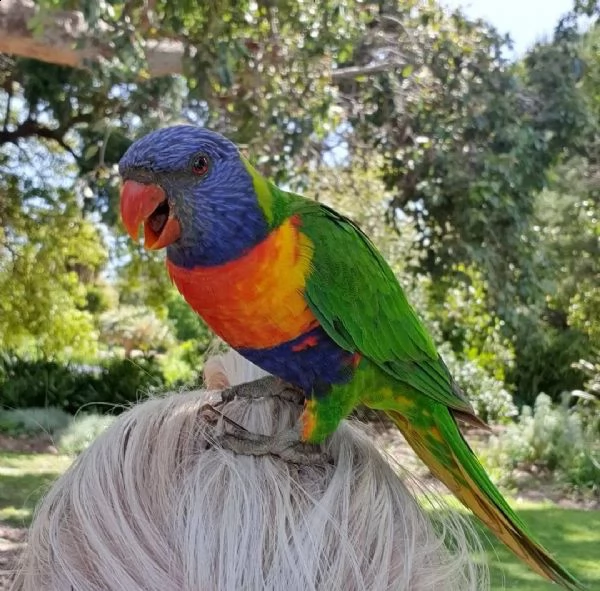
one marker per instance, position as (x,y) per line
(256,301)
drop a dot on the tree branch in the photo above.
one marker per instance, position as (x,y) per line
(8,106)
(64,29)
(374,68)
(31,128)
(61,32)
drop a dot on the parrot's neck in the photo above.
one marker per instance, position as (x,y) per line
(256,300)
(247,212)
(218,240)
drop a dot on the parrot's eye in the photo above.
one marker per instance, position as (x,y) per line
(200,164)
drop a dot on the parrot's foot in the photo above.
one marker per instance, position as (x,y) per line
(266,387)
(285,445)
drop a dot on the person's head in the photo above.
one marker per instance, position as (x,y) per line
(155,505)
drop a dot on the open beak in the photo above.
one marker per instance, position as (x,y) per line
(148,203)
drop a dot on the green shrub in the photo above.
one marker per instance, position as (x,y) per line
(488,395)
(81,431)
(471,341)
(33,421)
(124,381)
(186,323)
(135,328)
(468,323)
(561,438)
(41,383)
(182,365)
(545,358)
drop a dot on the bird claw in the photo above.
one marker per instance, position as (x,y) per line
(266,387)
(285,445)
(207,408)
(237,439)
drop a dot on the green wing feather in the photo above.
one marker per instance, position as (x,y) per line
(351,290)
(357,299)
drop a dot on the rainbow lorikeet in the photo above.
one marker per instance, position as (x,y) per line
(300,291)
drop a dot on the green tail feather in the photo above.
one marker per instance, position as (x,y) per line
(439,443)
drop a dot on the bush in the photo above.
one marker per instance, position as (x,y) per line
(81,431)
(186,323)
(182,365)
(124,381)
(71,434)
(545,360)
(135,328)
(560,438)
(471,342)
(33,421)
(490,399)
(468,324)
(41,383)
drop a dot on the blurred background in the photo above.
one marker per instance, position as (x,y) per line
(463,136)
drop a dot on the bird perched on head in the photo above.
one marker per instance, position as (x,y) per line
(299,290)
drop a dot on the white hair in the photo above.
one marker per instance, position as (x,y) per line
(154,505)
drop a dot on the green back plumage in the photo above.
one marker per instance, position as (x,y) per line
(358,301)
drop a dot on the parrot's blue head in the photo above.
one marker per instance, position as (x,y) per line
(194,193)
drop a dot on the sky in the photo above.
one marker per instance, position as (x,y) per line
(527,21)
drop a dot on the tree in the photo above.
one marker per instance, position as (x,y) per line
(468,138)
(49,255)
(459,147)
(135,328)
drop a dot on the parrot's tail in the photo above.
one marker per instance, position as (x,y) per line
(439,443)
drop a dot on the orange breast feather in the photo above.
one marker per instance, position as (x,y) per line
(257,300)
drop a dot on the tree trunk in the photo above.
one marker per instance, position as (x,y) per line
(63,29)
(61,32)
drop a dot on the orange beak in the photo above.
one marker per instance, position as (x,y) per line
(148,204)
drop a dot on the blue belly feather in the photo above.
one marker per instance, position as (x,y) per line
(312,361)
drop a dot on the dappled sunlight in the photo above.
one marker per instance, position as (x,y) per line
(471,164)
(24,479)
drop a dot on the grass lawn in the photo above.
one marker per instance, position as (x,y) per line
(24,477)
(572,535)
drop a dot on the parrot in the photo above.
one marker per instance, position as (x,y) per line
(301,291)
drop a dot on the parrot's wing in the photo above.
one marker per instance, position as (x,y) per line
(357,299)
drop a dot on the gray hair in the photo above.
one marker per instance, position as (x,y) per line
(154,505)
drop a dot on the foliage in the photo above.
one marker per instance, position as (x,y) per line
(559,438)
(546,355)
(182,365)
(488,395)
(472,329)
(476,176)
(48,254)
(33,421)
(592,372)
(468,138)
(81,431)
(561,326)
(135,328)
(186,323)
(43,383)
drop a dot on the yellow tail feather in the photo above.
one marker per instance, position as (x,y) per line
(437,440)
